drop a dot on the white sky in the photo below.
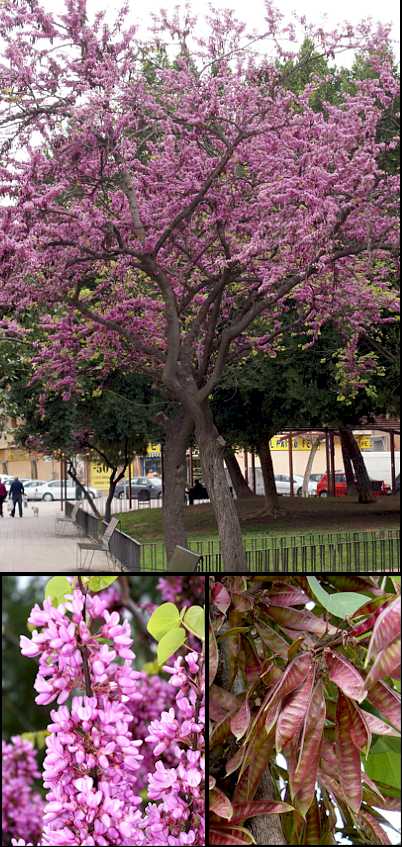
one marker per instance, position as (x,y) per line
(252,11)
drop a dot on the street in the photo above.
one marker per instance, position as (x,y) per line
(30,543)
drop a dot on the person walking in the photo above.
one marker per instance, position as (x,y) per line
(15,494)
(3,497)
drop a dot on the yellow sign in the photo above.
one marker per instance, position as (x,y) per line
(281,442)
(154,450)
(99,475)
(364,442)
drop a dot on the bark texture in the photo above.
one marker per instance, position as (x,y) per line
(87,496)
(362,478)
(238,481)
(266,829)
(212,446)
(178,430)
(267,468)
(113,480)
(347,463)
(309,466)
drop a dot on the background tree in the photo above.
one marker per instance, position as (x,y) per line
(111,421)
(306,386)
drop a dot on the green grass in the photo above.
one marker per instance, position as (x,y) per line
(299,516)
(302,522)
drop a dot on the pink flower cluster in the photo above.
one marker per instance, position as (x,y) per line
(180,733)
(127,732)
(22,806)
(61,645)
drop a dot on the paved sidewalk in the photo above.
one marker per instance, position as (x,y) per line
(30,543)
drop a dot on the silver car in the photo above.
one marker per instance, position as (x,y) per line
(53,491)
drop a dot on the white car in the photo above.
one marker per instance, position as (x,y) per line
(30,486)
(312,485)
(282,482)
(53,490)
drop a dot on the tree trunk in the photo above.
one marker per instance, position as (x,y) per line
(309,466)
(113,480)
(212,447)
(72,472)
(362,478)
(108,505)
(266,829)
(239,483)
(178,430)
(267,468)
(347,463)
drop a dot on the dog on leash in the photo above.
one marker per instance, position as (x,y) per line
(35,510)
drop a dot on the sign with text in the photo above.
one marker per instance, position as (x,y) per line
(299,442)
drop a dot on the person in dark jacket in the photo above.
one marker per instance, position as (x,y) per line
(197,492)
(3,497)
(15,494)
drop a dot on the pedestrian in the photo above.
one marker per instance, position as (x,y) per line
(3,497)
(15,494)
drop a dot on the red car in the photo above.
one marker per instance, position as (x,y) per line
(379,487)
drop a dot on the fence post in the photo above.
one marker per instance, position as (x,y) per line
(393,475)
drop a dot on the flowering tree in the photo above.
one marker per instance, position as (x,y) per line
(124,749)
(171,204)
(304,708)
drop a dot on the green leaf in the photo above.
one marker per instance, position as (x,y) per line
(98,583)
(169,643)
(37,739)
(384,761)
(342,604)
(57,588)
(165,618)
(194,620)
(151,668)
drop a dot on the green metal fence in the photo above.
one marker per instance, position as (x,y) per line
(309,552)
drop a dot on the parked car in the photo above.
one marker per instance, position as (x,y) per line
(312,485)
(398,484)
(378,487)
(53,490)
(282,482)
(7,480)
(31,485)
(142,488)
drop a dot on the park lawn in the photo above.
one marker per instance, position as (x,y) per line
(300,516)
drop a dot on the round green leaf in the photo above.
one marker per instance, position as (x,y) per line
(383,763)
(164,618)
(342,604)
(194,620)
(169,643)
(98,583)
(57,588)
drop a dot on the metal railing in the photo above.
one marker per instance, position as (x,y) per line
(311,552)
(121,504)
(124,548)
